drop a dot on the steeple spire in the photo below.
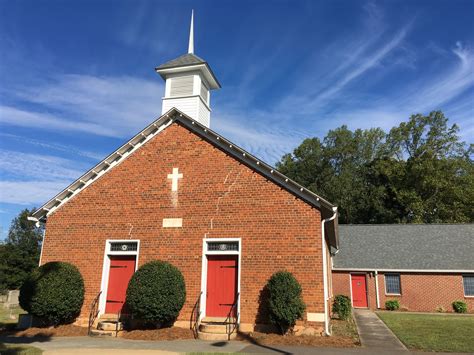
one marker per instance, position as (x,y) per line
(191,34)
(189,81)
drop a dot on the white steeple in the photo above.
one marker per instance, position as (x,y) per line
(188,82)
(191,35)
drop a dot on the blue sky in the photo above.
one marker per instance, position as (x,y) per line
(77,77)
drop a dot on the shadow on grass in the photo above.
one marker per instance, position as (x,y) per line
(247,337)
(13,339)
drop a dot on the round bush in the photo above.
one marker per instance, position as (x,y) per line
(342,306)
(53,292)
(392,305)
(156,293)
(285,303)
(459,307)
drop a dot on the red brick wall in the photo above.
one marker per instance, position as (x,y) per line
(218,197)
(420,292)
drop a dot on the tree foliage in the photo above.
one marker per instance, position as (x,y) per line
(419,172)
(19,254)
(54,292)
(156,293)
(285,301)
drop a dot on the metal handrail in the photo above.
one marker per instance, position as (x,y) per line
(195,315)
(94,312)
(119,313)
(231,326)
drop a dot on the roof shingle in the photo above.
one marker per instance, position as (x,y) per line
(406,247)
(182,61)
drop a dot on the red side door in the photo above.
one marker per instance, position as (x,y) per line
(120,273)
(359,291)
(221,284)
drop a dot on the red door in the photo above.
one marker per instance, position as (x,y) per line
(221,284)
(359,291)
(120,273)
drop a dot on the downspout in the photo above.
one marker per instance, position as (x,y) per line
(37,224)
(377,299)
(325,276)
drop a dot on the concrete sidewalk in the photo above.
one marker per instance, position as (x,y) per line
(374,334)
(114,346)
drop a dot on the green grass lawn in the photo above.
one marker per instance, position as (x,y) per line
(9,316)
(435,332)
(19,350)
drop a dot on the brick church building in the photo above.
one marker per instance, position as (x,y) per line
(178,191)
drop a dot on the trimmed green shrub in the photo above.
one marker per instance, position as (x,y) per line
(156,293)
(459,307)
(392,305)
(342,306)
(54,292)
(285,303)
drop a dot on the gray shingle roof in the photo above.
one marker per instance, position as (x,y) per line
(187,60)
(406,247)
(182,61)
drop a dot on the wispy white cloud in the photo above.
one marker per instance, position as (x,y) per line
(29,192)
(266,142)
(46,167)
(52,146)
(104,106)
(45,121)
(450,83)
(369,53)
(28,179)
(439,91)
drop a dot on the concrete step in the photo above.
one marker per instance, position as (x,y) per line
(213,328)
(218,320)
(102,333)
(110,325)
(108,316)
(215,337)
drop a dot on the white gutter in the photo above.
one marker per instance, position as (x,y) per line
(377,299)
(426,271)
(37,224)
(325,276)
(33,219)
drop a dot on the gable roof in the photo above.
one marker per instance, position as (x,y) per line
(402,247)
(174,115)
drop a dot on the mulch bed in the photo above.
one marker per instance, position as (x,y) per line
(68,330)
(173,333)
(344,336)
(303,340)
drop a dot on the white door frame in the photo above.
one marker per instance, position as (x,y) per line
(205,253)
(106,266)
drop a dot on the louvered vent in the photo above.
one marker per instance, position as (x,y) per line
(204,92)
(181,86)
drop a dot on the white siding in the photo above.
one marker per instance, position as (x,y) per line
(188,105)
(204,115)
(204,92)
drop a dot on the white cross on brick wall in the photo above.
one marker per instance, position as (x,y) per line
(175,176)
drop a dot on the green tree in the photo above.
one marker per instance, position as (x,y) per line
(337,169)
(435,182)
(419,172)
(19,255)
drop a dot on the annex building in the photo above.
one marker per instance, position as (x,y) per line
(424,266)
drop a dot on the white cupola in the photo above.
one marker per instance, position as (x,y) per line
(188,82)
